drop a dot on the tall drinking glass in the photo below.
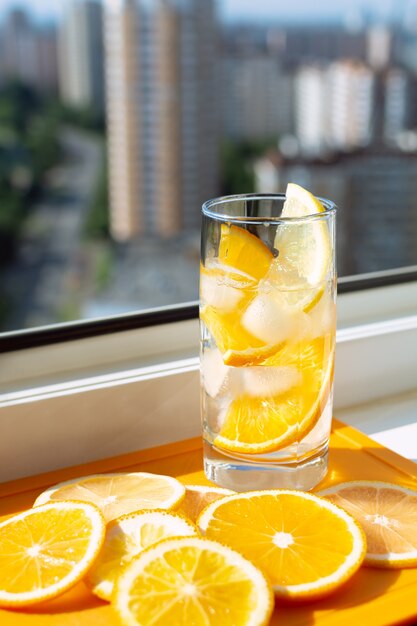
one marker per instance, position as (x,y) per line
(268,321)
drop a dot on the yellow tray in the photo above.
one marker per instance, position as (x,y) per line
(372,597)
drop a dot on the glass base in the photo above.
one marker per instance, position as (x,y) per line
(240,475)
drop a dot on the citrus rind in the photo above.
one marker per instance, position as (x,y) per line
(198,497)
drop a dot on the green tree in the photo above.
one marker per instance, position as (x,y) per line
(81,117)
(236,172)
(18,103)
(29,143)
(237,175)
(43,144)
(97,222)
(11,217)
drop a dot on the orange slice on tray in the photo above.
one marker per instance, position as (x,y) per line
(128,536)
(306,546)
(197,497)
(118,494)
(192,581)
(388,516)
(255,424)
(45,551)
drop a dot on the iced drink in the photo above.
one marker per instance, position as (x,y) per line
(268,318)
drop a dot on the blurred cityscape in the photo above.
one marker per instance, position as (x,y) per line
(119,119)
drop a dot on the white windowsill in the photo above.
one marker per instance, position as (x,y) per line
(85,400)
(391,421)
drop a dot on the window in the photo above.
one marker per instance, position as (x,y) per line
(99,213)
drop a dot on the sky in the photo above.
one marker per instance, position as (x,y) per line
(258,10)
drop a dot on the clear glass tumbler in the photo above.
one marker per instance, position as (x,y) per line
(268,322)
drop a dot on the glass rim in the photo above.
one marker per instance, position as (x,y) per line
(329,206)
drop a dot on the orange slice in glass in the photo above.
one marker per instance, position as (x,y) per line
(241,250)
(228,283)
(256,425)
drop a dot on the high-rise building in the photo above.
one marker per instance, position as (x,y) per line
(28,52)
(327,179)
(382,211)
(47,78)
(308,43)
(334,107)
(19,47)
(375,190)
(257,97)
(399,94)
(162,98)
(311,110)
(379,46)
(81,74)
(350,93)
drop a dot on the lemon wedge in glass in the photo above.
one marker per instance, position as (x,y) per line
(304,251)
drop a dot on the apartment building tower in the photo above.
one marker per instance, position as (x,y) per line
(161,101)
(80,55)
(311,110)
(257,97)
(334,106)
(28,52)
(350,105)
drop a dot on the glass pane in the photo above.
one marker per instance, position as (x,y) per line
(119,118)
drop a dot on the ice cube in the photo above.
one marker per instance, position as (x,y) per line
(269,381)
(322,316)
(267,319)
(214,412)
(301,326)
(218,293)
(214,373)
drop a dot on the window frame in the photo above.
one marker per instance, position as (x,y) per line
(81,329)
